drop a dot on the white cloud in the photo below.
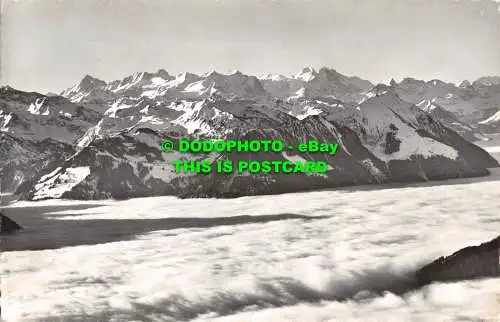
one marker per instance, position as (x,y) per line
(179,274)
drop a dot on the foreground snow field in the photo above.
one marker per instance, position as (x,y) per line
(165,259)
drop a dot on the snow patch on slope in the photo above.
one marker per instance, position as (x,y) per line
(4,121)
(136,78)
(189,120)
(199,117)
(426,106)
(305,112)
(300,93)
(115,107)
(412,144)
(36,108)
(492,119)
(151,119)
(385,111)
(197,88)
(66,114)
(89,136)
(152,94)
(56,183)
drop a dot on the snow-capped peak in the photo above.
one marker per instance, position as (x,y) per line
(489,80)
(272,77)
(91,81)
(210,73)
(87,84)
(132,80)
(186,77)
(235,72)
(306,74)
(238,84)
(465,84)
(435,82)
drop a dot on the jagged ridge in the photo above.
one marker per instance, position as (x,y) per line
(113,147)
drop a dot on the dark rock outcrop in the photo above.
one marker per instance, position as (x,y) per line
(468,263)
(8,226)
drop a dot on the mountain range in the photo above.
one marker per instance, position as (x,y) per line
(100,139)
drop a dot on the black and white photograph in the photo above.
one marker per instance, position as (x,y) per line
(250,160)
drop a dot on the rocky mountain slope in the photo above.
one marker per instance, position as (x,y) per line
(481,261)
(37,132)
(474,104)
(101,139)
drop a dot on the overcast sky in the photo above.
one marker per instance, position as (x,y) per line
(48,45)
